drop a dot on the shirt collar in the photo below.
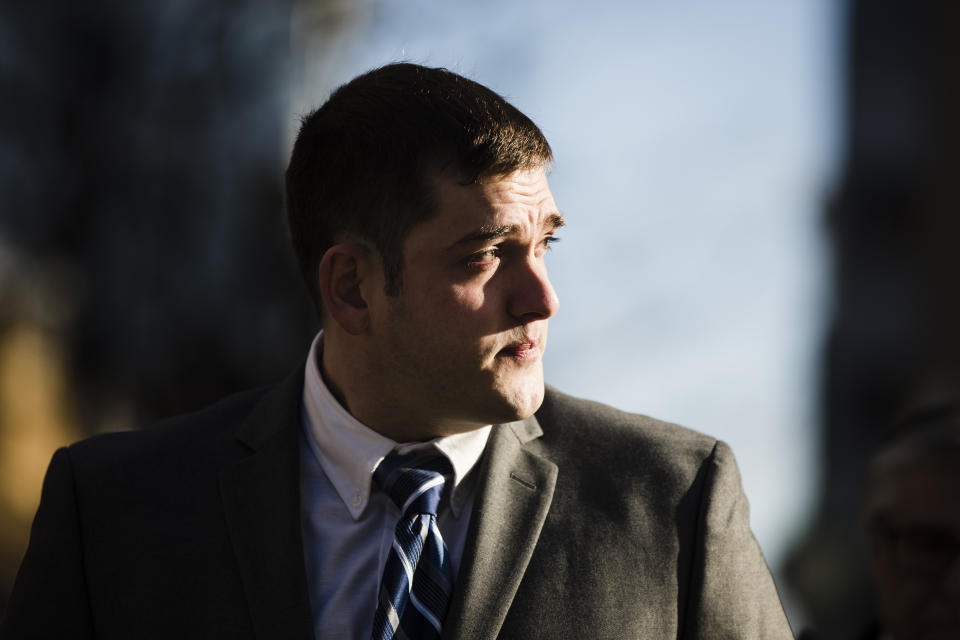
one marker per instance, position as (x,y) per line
(349,451)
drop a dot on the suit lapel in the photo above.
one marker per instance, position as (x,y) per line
(513,496)
(261,499)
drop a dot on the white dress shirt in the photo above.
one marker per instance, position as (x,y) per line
(348,526)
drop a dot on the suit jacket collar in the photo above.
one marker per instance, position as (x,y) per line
(261,498)
(513,496)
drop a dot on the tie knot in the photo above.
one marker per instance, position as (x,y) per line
(414,481)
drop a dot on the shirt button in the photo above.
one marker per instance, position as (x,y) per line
(357,500)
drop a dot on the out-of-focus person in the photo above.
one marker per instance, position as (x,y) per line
(912,518)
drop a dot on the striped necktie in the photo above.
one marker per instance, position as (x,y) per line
(417,578)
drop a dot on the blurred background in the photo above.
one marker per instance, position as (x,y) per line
(761,201)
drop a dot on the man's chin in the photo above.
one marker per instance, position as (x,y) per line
(523,401)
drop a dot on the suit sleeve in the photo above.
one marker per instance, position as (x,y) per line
(49,597)
(732,593)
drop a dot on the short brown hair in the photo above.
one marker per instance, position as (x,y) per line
(362,162)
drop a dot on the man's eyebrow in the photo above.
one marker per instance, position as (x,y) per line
(490,232)
(486,233)
(554,221)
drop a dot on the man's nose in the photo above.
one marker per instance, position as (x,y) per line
(532,297)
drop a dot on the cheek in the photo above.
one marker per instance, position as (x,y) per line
(469,299)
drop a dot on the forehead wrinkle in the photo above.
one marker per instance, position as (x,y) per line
(502,199)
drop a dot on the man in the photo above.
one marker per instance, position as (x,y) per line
(414,479)
(912,517)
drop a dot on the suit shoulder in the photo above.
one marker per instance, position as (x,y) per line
(610,434)
(198,432)
(559,407)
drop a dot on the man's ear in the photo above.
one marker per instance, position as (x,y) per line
(342,272)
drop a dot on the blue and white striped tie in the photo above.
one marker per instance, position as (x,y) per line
(417,578)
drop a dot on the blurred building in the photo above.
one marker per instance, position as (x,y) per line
(894,341)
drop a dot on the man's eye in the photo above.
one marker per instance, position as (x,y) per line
(484,258)
(548,242)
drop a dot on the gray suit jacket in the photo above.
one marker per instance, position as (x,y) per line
(587,523)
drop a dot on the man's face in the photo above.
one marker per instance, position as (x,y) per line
(916,552)
(461,345)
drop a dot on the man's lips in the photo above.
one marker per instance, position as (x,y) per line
(525,348)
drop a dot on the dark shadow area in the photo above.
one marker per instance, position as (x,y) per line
(145,268)
(911,517)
